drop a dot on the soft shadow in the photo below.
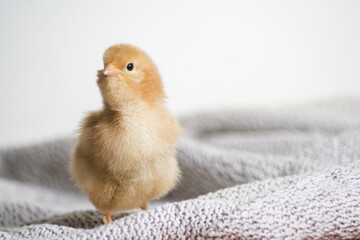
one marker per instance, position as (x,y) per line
(80,219)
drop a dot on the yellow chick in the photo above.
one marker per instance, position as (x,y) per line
(125,155)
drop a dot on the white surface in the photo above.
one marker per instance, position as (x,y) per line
(210,53)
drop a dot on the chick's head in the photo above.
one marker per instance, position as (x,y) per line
(129,76)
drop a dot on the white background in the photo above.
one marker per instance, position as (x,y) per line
(211,54)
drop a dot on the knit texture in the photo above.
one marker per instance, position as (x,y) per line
(291,173)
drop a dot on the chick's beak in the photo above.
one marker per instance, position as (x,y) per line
(111,70)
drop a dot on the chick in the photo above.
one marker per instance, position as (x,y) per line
(124,156)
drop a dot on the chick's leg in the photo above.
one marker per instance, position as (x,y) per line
(144,206)
(107,217)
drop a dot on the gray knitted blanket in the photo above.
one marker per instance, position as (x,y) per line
(291,173)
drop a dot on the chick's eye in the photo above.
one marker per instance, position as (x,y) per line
(130,66)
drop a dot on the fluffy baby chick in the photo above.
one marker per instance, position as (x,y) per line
(124,156)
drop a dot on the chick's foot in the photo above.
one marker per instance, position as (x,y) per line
(107,218)
(144,206)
